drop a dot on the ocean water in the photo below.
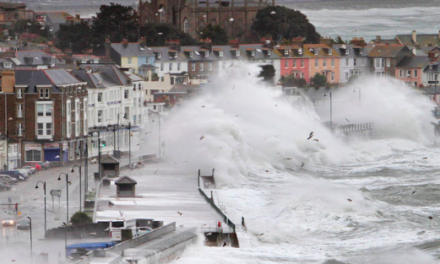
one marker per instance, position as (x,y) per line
(371,18)
(356,200)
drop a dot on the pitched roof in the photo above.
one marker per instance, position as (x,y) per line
(386,51)
(125,180)
(309,50)
(52,77)
(109,160)
(132,50)
(431,40)
(418,62)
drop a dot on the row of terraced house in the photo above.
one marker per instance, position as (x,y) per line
(411,58)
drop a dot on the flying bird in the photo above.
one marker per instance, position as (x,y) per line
(156,171)
(349,200)
(302,164)
(236,115)
(180,213)
(276,105)
(413,192)
(249,73)
(430,217)
(310,135)
(425,157)
(202,137)
(261,234)
(267,170)
(288,159)
(317,140)
(203,106)
(233,87)
(347,120)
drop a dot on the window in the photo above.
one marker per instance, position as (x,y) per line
(172,81)
(33,155)
(415,84)
(68,118)
(19,110)
(20,130)
(415,74)
(99,116)
(286,64)
(7,65)
(99,97)
(19,93)
(346,75)
(159,55)
(193,66)
(170,67)
(253,53)
(185,25)
(220,53)
(178,66)
(126,93)
(206,54)
(316,63)
(161,66)
(333,76)
(237,53)
(401,73)
(330,51)
(347,51)
(388,62)
(346,62)
(294,63)
(210,66)
(40,129)
(129,60)
(354,62)
(316,52)
(191,54)
(379,63)
(202,66)
(324,62)
(269,52)
(333,62)
(44,93)
(44,120)
(286,52)
(302,63)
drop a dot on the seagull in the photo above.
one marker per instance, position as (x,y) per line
(425,157)
(349,200)
(288,159)
(233,87)
(347,120)
(276,105)
(413,192)
(249,73)
(202,137)
(430,217)
(203,106)
(261,234)
(236,115)
(302,164)
(310,135)
(317,140)
(267,170)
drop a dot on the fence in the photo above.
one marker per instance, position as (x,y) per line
(219,211)
(355,127)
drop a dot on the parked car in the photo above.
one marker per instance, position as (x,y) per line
(5,187)
(4,178)
(8,222)
(23,224)
(25,172)
(35,165)
(31,169)
(15,174)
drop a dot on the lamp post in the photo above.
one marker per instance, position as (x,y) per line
(331,110)
(129,145)
(86,170)
(97,133)
(30,232)
(80,192)
(67,193)
(44,189)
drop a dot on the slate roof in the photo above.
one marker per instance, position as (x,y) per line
(109,160)
(55,17)
(35,57)
(354,50)
(386,51)
(101,76)
(125,180)
(166,55)
(431,40)
(418,62)
(259,53)
(53,77)
(132,50)
(197,54)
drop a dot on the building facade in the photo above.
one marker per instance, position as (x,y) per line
(190,16)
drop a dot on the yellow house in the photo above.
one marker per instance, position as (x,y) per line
(132,55)
(323,60)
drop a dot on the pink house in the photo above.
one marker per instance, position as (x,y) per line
(294,62)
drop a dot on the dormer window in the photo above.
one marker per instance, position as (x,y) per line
(430,66)
(300,51)
(316,52)
(237,53)
(347,51)
(44,93)
(220,53)
(7,65)
(191,54)
(286,52)
(159,55)
(330,52)
(19,93)
(269,52)
(206,54)
(253,53)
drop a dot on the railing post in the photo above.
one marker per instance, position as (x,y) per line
(198,179)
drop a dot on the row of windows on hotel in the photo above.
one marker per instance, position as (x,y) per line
(296,63)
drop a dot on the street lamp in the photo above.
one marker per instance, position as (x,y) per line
(30,232)
(67,193)
(44,189)
(97,133)
(80,192)
(331,105)
(129,145)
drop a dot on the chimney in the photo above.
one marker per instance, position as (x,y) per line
(234,43)
(8,81)
(78,16)
(173,44)
(206,44)
(438,35)
(431,55)
(378,39)
(414,36)
(107,45)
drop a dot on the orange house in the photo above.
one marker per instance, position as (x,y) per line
(323,60)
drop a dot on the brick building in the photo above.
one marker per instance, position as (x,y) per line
(190,16)
(44,114)
(10,13)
